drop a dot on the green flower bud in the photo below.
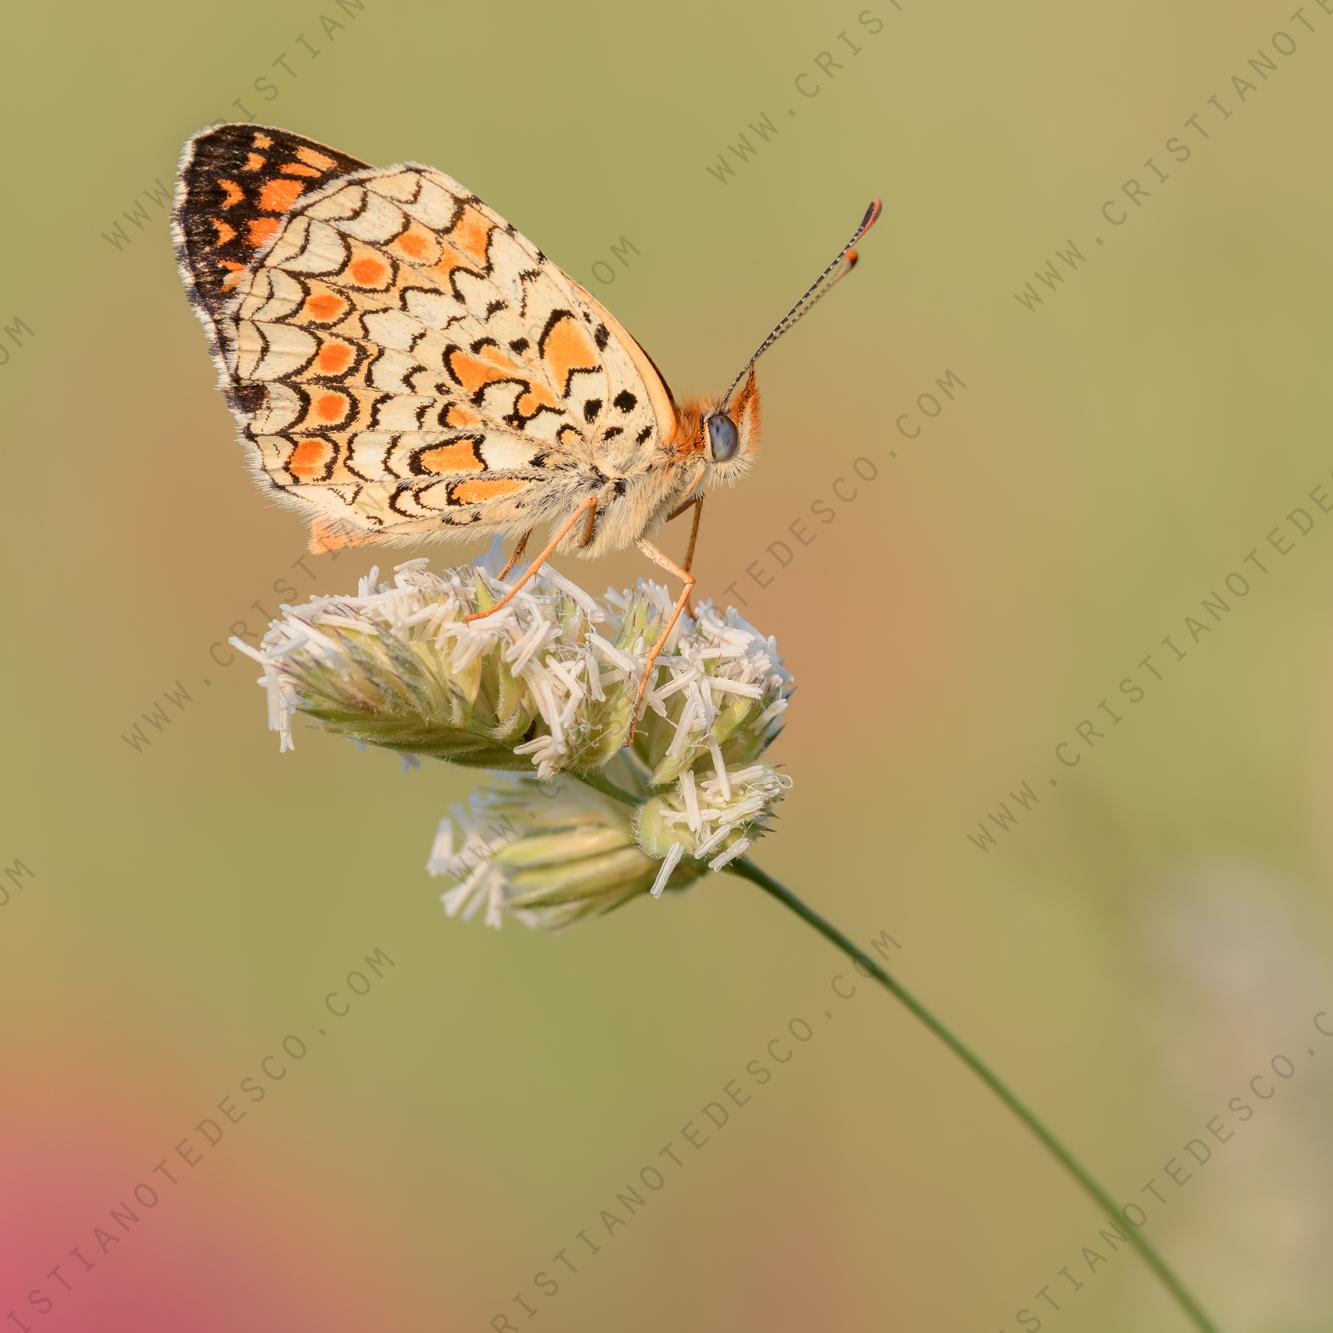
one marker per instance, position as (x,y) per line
(544,855)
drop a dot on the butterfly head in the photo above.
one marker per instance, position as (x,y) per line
(729,433)
(718,435)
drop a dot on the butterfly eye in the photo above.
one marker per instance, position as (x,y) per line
(723,440)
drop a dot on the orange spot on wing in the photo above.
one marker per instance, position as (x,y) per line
(314,159)
(232,192)
(458,456)
(567,349)
(330,406)
(534,397)
(446,263)
(296,169)
(470,373)
(225,230)
(474,372)
(369,272)
(334,358)
(474,492)
(279,195)
(262,140)
(325,307)
(472,234)
(261,231)
(309,459)
(412,243)
(254,162)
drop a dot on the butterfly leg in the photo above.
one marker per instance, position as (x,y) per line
(514,559)
(663,560)
(694,534)
(561,533)
(697,504)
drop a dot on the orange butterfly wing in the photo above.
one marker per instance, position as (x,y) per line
(406,363)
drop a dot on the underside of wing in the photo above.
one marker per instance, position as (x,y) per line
(405,364)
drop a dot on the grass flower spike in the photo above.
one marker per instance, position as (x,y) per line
(544,685)
(546,856)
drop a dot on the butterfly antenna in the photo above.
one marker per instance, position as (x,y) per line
(838,268)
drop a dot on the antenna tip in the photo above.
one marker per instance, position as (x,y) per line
(872,214)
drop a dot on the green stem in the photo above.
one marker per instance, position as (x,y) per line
(604,785)
(746,869)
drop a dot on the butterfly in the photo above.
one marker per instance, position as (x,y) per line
(403,364)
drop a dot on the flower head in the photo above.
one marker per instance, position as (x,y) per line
(545,684)
(544,688)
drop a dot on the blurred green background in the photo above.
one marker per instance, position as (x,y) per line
(1131,946)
